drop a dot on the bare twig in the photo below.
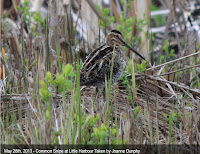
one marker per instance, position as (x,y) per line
(181,58)
(182,69)
(175,28)
(116,13)
(197,91)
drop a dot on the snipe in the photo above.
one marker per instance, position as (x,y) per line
(98,63)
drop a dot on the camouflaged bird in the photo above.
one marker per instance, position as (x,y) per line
(98,63)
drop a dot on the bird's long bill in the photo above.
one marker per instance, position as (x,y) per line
(132,49)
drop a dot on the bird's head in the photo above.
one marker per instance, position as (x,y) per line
(114,37)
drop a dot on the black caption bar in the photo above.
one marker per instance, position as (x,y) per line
(57,149)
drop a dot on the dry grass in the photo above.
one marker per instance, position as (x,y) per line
(134,129)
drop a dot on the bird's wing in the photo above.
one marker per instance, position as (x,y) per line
(95,57)
(97,64)
(96,54)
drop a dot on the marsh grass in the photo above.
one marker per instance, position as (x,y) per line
(79,99)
